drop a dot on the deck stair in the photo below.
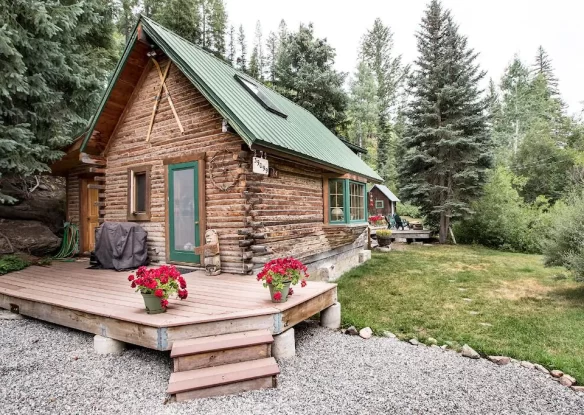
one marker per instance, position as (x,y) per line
(223,364)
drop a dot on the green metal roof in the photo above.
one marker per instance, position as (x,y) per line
(299,133)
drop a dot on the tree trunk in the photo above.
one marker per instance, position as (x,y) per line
(444,225)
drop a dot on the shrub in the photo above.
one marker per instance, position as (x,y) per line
(502,220)
(564,244)
(10,263)
(405,209)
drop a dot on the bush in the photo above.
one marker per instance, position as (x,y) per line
(10,263)
(565,242)
(502,220)
(405,209)
(383,233)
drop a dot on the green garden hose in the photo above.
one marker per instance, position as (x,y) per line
(70,244)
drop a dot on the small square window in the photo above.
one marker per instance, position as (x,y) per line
(139,193)
(379,204)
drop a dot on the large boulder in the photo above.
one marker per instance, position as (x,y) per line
(29,236)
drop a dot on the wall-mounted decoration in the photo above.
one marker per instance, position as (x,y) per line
(210,251)
(224,176)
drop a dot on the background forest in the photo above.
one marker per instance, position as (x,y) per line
(499,161)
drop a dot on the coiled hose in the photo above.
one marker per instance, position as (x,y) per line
(70,243)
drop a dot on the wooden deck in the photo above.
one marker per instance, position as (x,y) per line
(102,302)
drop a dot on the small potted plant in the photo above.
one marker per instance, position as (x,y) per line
(157,284)
(279,274)
(384,237)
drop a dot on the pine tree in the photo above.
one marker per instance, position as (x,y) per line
(54,60)
(271,56)
(218,26)
(242,46)
(183,17)
(231,46)
(126,16)
(254,64)
(363,112)
(259,50)
(448,148)
(305,74)
(377,51)
(543,65)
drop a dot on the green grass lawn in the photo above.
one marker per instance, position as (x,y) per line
(498,303)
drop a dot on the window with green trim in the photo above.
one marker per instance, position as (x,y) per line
(346,201)
(379,204)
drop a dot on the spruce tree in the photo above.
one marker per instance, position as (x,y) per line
(183,17)
(543,65)
(448,148)
(377,51)
(55,57)
(242,47)
(218,26)
(259,49)
(231,46)
(305,74)
(363,112)
(271,56)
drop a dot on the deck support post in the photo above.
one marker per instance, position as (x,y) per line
(105,345)
(284,346)
(364,256)
(331,317)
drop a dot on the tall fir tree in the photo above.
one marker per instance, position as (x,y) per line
(259,44)
(377,51)
(126,16)
(242,48)
(183,17)
(54,61)
(363,112)
(305,74)
(543,65)
(231,46)
(218,27)
(448,148)
(272,44)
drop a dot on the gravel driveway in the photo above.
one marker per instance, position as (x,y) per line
(46,369)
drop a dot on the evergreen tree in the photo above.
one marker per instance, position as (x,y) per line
(218,26)
(126,17)
(448,149)
(305,75)
(259,47)
(543,65)
(183,17)
(363,112)
(254,64)
(242,46)
(55,57)
(231,46)
(377,51)
(271,56)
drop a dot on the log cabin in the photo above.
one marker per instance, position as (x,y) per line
(182,142)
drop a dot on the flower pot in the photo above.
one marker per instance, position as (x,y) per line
(152,304)
(384,241)
(284,292)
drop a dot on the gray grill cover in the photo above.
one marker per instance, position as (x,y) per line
(121,246)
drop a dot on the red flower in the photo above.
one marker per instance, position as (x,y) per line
(277,296)
(130,278)
(269,280)
(290,292)
(183,294)
(182,282)
(164,303)
(133,284)
(159,293)
(303,283)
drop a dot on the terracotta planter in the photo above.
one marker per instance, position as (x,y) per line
(284,293)
(152,304)
(384,241)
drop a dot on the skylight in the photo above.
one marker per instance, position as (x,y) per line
(260,97)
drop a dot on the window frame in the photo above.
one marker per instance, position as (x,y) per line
(133,216)
(347,202)
(377,202)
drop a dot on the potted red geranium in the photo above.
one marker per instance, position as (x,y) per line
(279,274)
(157,284)
(376,220)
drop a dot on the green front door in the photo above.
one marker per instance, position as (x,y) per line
(183,206)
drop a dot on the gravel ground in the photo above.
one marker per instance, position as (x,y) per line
(46,369)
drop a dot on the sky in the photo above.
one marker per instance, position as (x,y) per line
(497,29)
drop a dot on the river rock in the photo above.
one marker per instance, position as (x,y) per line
(352,331)
(500,360)
(469,352)
(366,333)
(557,373)
(567,380)
(28,236)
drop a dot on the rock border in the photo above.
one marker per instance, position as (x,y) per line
(468,352)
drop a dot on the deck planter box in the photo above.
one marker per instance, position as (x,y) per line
(152,304)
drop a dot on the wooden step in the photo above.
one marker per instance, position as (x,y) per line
(224,380)
(220,350)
